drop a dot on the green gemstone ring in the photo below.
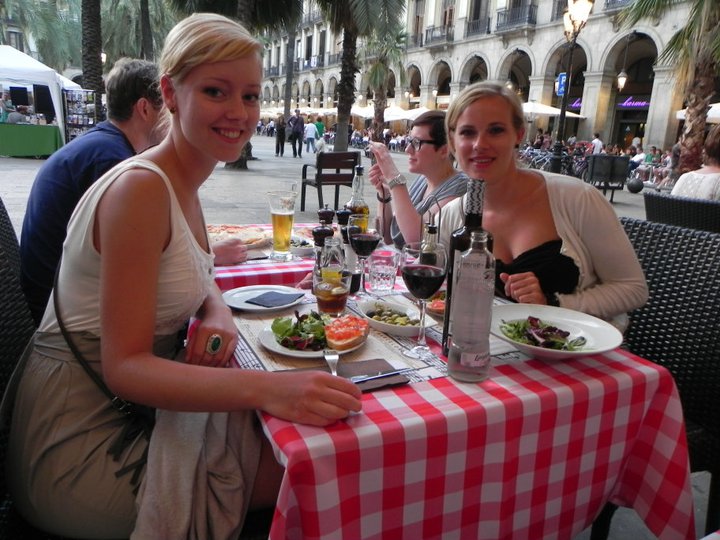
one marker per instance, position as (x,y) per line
(214,343)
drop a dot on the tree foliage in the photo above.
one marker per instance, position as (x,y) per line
(695,51)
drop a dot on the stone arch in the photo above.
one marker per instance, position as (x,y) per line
(474,69)
(414,78)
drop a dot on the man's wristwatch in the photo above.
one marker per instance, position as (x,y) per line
(398,180)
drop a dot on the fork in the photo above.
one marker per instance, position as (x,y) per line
(331,357)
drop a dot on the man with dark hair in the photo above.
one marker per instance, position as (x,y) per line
(134,104)
(296,125)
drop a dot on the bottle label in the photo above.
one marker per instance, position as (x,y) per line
(473,360)
(475,197)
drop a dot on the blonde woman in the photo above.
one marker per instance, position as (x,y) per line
(557,240)
(136,265)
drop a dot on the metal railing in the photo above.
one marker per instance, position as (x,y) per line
(334,59)
(613,5)
(508,19)
(439,34)
(415,41)
(272,71)
(478,27)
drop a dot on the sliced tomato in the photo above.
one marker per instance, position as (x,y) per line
(437,305)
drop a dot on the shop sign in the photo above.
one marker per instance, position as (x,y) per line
(632,102)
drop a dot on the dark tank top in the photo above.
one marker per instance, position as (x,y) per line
(556,272)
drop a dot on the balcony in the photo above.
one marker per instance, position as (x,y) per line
(616,5)
(435,35)
(415,41)
(272,71)
(334,59)
(516,18)
(478,27)
(315,16)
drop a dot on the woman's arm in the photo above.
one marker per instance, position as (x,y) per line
(602,244)
(132,229)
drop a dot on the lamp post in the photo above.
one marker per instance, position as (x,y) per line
(574,20)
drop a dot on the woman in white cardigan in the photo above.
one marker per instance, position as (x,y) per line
(556,239)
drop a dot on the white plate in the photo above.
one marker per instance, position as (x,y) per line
(601,336)
(267,340)
(237,298)
(395,329)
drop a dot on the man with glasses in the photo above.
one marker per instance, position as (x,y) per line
(402,210)
(134,104)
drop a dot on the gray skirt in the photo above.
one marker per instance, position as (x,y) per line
(60,471)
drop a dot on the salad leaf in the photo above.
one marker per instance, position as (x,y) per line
(533,331)
(305,332)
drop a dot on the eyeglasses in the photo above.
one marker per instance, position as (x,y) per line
(417,143)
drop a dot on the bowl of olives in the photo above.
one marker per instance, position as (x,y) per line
(393,317)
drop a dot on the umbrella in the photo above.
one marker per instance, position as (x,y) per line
(713,115)
(412,114)
(394,113)
(532,108)
(364,112)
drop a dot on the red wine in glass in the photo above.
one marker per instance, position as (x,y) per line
(364,243)
(423,280)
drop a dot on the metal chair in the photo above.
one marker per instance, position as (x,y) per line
(331,169)
(700,214)
(679,328)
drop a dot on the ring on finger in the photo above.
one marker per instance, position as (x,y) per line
(214,343)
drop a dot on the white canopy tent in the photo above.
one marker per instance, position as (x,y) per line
(19,69)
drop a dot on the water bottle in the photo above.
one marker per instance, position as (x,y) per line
(471,312)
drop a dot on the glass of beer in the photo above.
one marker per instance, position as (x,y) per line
(282,211)
(331,291)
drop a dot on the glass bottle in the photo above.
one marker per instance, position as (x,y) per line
(351,260)
(320,235)
(429,243)
(459,242)
(471,312)
(357,204)
(332,260)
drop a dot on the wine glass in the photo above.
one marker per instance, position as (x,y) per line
(423,268)
(363,241)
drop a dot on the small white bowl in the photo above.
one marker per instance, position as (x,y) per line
(305,250)
(366,306)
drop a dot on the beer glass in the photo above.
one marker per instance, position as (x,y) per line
(282,212)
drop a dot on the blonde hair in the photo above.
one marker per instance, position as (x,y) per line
(480,90)
(202,38)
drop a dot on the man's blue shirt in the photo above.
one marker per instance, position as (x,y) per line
(58,186)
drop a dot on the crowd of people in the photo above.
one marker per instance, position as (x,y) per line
(123,261)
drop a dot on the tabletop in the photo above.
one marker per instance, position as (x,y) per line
(535,451)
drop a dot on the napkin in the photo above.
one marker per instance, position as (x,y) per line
(274,299)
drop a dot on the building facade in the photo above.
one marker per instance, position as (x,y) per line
(453,43)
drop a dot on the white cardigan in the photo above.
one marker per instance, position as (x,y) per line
(611,280)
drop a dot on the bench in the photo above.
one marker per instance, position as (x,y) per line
(608,173)
(331,169)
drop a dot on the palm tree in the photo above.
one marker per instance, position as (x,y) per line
(383,53)
(355,18)
(695,49)
(91,52)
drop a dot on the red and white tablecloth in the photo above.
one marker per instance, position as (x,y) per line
(262,272)
(533,452)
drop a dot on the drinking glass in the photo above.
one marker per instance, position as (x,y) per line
(363,242)
(382,270)
(423,269)
(282,211)
(331,292)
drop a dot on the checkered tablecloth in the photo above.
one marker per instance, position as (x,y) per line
(264,272)
(533,452)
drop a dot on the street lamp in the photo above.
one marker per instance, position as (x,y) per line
(574,20)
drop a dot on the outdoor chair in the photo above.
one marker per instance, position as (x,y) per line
(679,328)
(702,214)
(607,172)
(331,169)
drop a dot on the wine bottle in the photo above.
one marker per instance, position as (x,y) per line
(471,313)
(459,242)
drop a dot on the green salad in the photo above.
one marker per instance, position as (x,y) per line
(533,331)
(303,333)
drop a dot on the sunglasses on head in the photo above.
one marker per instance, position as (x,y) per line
(417,143)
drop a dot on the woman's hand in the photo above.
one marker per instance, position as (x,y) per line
(306,282)
(384,160)
(377,179)
(523,288)
(215,320)
(230,251)
(311,397)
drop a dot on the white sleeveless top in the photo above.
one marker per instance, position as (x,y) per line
(186,271)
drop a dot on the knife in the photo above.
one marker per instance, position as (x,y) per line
(363,378)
